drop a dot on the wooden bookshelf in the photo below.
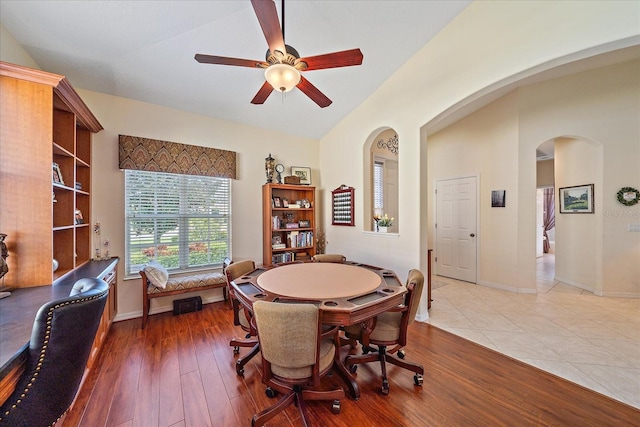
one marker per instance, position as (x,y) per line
(299,241)
(44,121)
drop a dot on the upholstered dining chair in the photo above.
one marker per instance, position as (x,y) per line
(337,258)
(390,329)
(56,356)
(297,351)
(241,316)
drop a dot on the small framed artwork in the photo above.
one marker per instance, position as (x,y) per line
(498,198)
(79,217)
(57,174)
(576,199)
(303,173)
(304,223)
(285,203)
(276,202)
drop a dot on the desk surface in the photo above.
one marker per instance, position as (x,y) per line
(346,293)
(18,311)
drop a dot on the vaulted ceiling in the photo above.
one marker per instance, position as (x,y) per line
(144,50)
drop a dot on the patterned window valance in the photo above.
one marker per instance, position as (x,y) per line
(172,157)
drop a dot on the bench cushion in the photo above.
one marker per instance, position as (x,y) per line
(190,282)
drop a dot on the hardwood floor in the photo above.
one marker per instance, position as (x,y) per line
(179,371)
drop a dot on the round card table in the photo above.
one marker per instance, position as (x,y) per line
(347,294)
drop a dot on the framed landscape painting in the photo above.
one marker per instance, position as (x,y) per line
(576,199)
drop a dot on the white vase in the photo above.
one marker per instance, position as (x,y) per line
(382,229)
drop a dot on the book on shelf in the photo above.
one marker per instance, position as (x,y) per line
(299,239)
(278,246)
(283,257)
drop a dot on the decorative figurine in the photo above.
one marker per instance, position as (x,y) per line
(268,168)
(4,254)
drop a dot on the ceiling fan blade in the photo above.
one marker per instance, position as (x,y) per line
(312,92)
(223,60)
(268,18)
(346,58)
(262,94)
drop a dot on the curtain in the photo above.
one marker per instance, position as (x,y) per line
(163,156)
(549,219)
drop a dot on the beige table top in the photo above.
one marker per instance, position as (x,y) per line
(319,280)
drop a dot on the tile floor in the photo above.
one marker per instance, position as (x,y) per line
(589,340)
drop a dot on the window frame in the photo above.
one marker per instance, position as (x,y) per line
(183,217)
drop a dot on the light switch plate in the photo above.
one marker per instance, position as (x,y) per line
(634,227)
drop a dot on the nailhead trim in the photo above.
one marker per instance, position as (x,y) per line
(43,351)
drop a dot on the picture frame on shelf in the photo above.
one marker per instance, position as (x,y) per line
(285,203)
(303,173)
(276,202)
(576,199)
(304,223)
(79,219)
(57,174)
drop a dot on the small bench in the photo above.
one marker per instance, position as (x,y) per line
(179,285)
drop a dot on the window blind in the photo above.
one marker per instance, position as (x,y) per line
(378,187)
(182,221)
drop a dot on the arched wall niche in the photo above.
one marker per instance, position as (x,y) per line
(382,147)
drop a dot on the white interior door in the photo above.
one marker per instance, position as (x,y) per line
(456,234)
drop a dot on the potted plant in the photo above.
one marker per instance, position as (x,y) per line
(384,223)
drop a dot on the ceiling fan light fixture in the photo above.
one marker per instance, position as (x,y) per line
(283,77)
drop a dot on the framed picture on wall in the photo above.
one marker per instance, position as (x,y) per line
(303,173)
(576,199)
(498,198)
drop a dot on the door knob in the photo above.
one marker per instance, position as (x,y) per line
(472,235)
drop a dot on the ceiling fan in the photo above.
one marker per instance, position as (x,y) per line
(283,64)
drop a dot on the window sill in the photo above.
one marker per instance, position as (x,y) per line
(377,233)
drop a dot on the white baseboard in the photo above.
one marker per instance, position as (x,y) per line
(507,288)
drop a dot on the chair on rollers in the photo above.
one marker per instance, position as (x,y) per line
(241,316)
(390,329)
(297,352)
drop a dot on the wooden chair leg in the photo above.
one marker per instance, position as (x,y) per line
(265,415)
(243,360)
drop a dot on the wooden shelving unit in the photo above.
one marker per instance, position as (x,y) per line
(44,121)
(299,242)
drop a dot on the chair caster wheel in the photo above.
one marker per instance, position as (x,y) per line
(353,368)
(401,354)
(417,379)
(270,392)
(236,349)
(335,408)
(247,336)
(240,372)
(385,387)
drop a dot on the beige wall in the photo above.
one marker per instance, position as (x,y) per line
(498,143)
(484,47)
(126,116)
(487,47)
